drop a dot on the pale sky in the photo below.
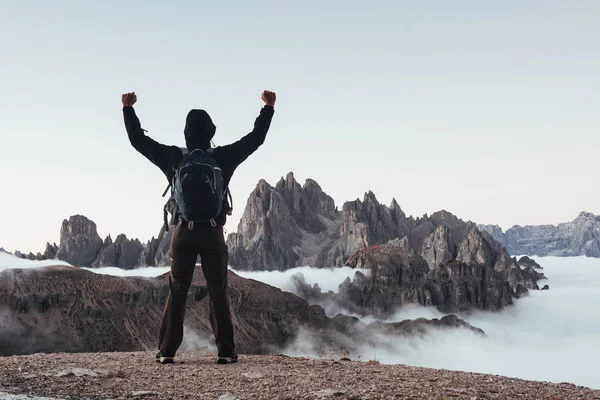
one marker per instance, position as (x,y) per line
(489,110)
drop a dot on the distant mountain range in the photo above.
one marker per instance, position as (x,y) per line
(580,237)
(290,225)
(437,260)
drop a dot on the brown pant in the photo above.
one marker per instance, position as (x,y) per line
(186,245)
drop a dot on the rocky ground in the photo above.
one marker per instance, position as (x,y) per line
(196,376)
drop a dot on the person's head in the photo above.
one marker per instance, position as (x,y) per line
(199,130)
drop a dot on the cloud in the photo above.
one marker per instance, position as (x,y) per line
(194,341)
(549,335)
(9,261)
(327,278)
(147,272)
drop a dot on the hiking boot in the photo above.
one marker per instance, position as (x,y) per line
(165,357)
(229,359)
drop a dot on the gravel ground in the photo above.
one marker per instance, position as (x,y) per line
(196,376)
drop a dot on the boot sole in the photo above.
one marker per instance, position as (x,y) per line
(226,360)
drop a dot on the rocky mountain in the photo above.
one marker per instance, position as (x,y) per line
(156,251)
(122,253)
(293,225)
(29,256)
(471,276)
(437,260)
(68,309)
(50,251)
(80,245)
(580,237)
(79,241)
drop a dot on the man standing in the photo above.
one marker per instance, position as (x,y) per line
(203,233)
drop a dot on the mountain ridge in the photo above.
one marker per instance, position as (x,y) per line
(579,237)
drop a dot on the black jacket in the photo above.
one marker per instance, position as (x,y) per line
(228,157)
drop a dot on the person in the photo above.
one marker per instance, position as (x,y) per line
(204,239)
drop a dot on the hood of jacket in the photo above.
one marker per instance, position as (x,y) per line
(199,130)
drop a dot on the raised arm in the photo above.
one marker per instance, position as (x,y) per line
(159,154)
(239,151)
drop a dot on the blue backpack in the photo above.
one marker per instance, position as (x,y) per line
(198,190)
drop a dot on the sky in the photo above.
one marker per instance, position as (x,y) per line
(486,109)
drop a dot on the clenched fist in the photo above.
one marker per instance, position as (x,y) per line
(269,98)
(129,99)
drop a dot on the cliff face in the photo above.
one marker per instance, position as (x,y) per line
(79,241)
(470,275)
(580,237)
(474,273)
(283,226)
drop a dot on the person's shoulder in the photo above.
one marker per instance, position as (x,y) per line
(221,153)
(218,150)
(176,153)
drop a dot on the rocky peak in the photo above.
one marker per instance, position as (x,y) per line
(79,241)
(587,215)
(306,203)
(262,190)
(122,253)
(50,251)
(108,241)
(283,226)
(288,184)
(318,200)
(368,222)
(460,228)
(397,210)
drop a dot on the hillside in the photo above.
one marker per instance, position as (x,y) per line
(69,309)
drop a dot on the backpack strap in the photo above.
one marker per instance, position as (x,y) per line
(184,151)
(230,201)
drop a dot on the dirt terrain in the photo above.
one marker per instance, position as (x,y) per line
(195,376)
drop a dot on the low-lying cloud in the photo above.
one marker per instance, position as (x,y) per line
(549,335)
(148,272)
(194,341)
(9,261)
(328,279)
